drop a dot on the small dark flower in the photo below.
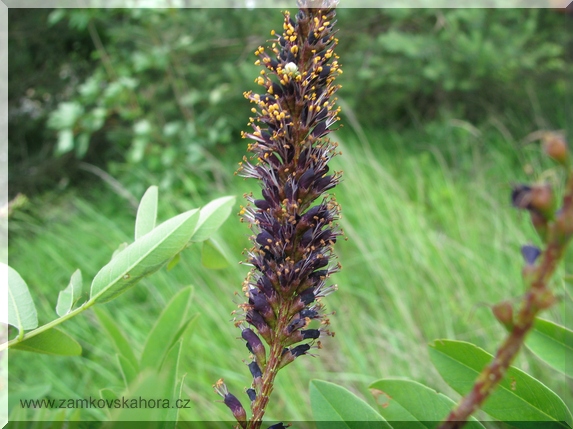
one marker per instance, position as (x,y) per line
(255,370)
(521,197)
(232,402)
(279,426)
(290,354)
(255,345)
(536,198)
(252,394)
(530,253)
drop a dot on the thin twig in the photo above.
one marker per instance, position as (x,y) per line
(537,298)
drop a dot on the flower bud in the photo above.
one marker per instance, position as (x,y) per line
(537,198)
(252,394)
(503,312)
(255,370)
(542,199)
(255,345)
(555,146)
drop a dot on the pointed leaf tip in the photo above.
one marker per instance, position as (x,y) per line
(21,309)
(146,212)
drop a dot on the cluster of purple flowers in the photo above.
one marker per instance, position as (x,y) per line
(294,222)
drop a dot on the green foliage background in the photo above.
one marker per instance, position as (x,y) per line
(438,106)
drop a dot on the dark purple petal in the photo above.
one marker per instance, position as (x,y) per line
(264,238)
(530,253)
(296,324)
(307,296)
(262,204)
(252,394)
(300,350)
(307,178)
(311,314)
(319,130)
(235,406)
(255,370)
(521,196)
(310,333)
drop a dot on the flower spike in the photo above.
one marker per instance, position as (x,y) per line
(293,221)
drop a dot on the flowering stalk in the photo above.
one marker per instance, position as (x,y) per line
(555,227)
(294,222)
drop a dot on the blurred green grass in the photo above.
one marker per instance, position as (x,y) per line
(432,241)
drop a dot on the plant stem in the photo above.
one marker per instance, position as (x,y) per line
(47,326)
(536,299)
(269,373)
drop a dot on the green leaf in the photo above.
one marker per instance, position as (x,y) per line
(174,261)
(173,414)
(39,391)
(212,256)
(144,256)
(407,404)
(21,309)
(553,344)
(70,295)
(65,141)
(149,386)
(128,371)
(65,116)
(51,342)
(334,407)
(117,337)
(517,399)
(146,212)
(107,394)
(164,332)
(186,330)
(172,367)
(212,217)
(119,249)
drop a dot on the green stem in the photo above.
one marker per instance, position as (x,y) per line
(47,326)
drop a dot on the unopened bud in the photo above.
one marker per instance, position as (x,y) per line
(252,394)
(545,299)
(503,312)
(255,370)
(542,200)
(538,198)
(255,345)
(555,146)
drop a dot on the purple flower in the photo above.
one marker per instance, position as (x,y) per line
(293,221)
